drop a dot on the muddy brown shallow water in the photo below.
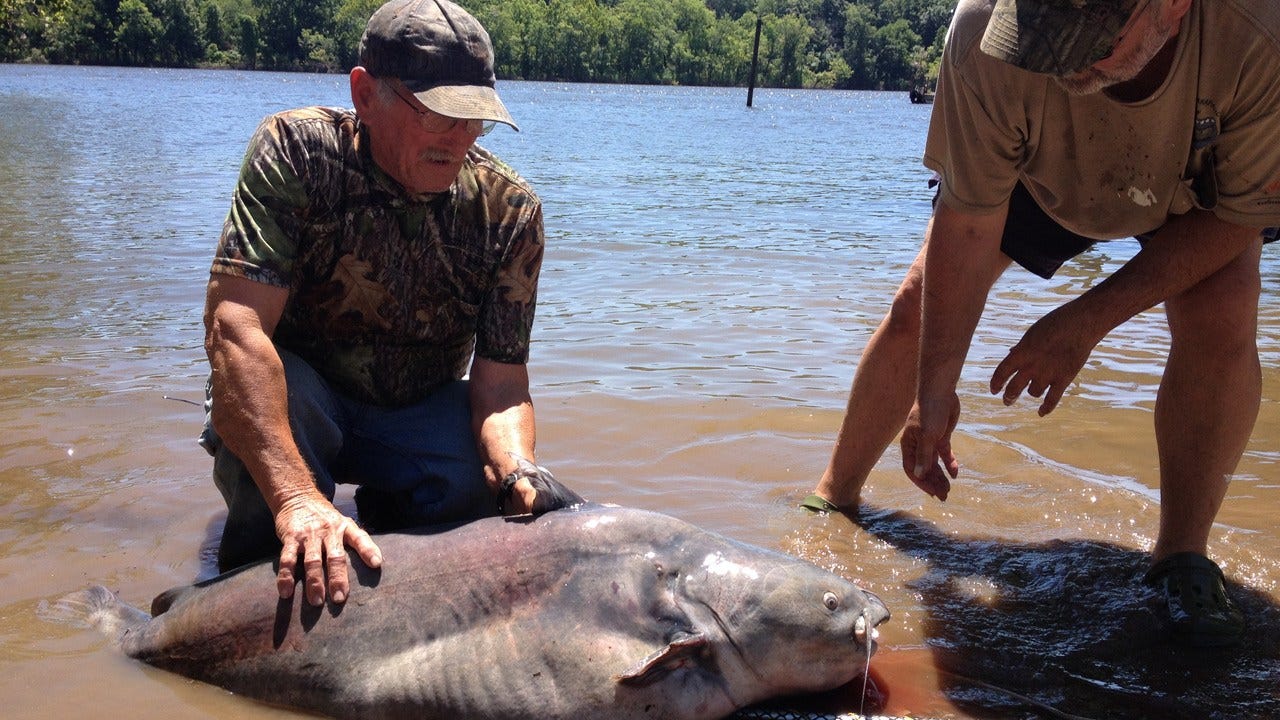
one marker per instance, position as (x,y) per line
(711,275)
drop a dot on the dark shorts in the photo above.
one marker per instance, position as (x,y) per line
(1038,243)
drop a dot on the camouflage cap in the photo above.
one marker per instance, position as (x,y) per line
(440,52)
(1058,37)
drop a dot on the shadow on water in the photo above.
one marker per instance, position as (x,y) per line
(1069,626)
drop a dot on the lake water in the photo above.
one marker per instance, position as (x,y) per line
(712,273)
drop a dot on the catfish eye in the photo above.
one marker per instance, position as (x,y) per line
(831,601)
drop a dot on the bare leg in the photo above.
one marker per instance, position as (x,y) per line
(884,388)
(1208,400)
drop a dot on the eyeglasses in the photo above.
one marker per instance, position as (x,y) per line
(434,122)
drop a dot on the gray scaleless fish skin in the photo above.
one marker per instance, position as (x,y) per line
(592,612)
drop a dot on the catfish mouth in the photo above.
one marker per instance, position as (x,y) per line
(864,628)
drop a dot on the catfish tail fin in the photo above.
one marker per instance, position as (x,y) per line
(96,607)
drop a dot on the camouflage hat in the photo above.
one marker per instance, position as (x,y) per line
(440,52)
(1058,37)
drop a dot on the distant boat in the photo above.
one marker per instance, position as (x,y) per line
(920,97)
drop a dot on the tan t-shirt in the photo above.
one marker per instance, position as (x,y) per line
(1106,169)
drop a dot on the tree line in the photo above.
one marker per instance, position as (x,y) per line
(858,44)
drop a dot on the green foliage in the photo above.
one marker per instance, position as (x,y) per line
(892,46)
(137,32)
(182,43)
(293,31)
(215,30)
(348,27)
(889,44)
(19,26)
(250,41)
(319,51)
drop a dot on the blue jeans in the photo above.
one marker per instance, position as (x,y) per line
(416,465)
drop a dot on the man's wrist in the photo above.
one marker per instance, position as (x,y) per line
(507,486)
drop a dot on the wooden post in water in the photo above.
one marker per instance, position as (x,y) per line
(755,56)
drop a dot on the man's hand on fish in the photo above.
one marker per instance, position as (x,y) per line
(533,489)
(315,535)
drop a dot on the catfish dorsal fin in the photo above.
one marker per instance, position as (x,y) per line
(166,599)
(684,649)
(170,597)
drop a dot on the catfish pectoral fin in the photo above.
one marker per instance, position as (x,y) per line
(681,652)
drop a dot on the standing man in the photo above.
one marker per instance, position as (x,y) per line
(1058,123)
(370,260)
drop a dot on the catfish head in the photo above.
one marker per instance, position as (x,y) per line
(785,625)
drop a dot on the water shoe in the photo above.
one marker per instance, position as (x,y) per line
(819,504)
(1199,612)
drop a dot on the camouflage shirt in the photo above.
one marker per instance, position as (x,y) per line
(389,293)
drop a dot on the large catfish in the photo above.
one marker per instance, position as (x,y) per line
(593,612)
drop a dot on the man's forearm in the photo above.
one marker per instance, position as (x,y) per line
(503,434)
(962,261)
(1188,249)
(250,414)
(502,416)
